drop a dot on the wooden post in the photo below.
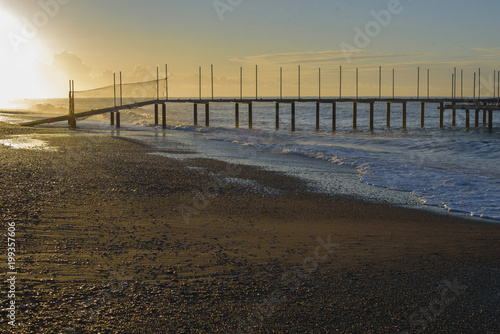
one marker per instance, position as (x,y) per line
(404,115)
(156,114)
(467,118)
(293,116)
(317,116)
(334,116)
(207,115)
(490,120)
(250,115)
(476,121)
(164,115)
(112,118)
(441,115)
(371,115)
(422,114)
(354,115)
(118,119)
(195,114)
(454,115)
(277,125)
(388,115)
(484,114)
(237,115)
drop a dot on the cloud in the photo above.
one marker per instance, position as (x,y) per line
(325,57)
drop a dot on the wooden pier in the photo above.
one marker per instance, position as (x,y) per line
(479,105)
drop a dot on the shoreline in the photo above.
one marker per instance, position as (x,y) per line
(105,240)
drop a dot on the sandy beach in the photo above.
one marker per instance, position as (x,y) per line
(113,239)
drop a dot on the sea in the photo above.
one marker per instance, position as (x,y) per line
(449,170)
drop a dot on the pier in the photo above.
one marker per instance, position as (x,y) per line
(118,97)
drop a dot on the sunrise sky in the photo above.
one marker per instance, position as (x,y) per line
(45,43)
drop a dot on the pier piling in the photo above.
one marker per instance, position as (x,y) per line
(237,115)
(334,116)
(293,116)
(118,119)
(317,115)
(388,115)
(371,115)
(422,114)
(156,114)
(404,115)
(164,115)
(207,115)
(112,118)
(195,114)
(277,121)
(354,115)
(250,115)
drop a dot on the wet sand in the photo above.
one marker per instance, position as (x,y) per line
(112,239)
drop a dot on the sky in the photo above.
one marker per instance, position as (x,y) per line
(46,43)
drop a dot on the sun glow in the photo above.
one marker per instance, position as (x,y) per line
(18,62)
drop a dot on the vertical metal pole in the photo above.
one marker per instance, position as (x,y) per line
(340,87)
(380,82)
(256,82)
(474,92)
(157,83)
(494,84)
(334,116)
(212,79)
(479,85)
(418,82)
(422,114)
(428,83)
(199,85)
(166,82)
(388,115)
(281,83)
(317,115)
(293,116)
(371,115)
(241,83)
(319,92)
(461,84)
(237,115)
(455,83)
(299,82)
(452,88)
(393,77)
(121,90)
(357,83)
(114,87)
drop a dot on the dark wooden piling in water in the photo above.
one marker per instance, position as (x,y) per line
(490,120)
(164,115)
(293,116)
(195,114)
(334,116)
(422,114)
(250,115)
(404,115)
(118,119)
(354,115)
(476,120)
(388,115)
(454,115)
(237,115)
(207,114)
(441,115)
(467,118)
(277,117)
(156,114)
(371,115)
(112,118)
(317,115)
